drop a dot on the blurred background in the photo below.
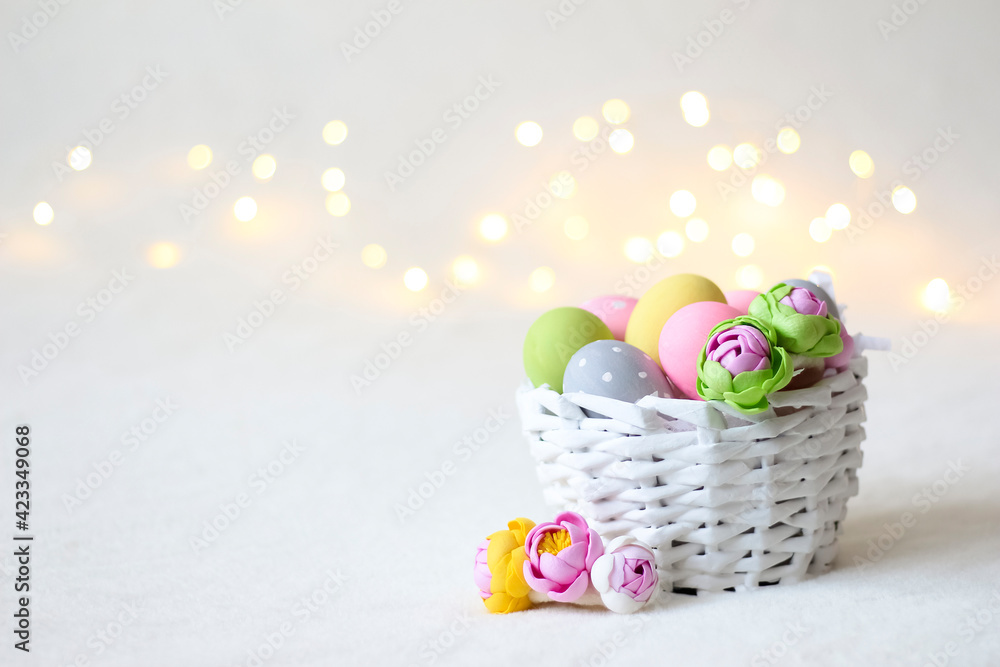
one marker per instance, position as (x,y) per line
(231,225)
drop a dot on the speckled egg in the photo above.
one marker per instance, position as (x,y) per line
(614,310)
(740,299)
(818,292)
(617,370)
(662,300)
(554,338)
(683,337)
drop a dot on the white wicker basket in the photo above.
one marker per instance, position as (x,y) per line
(728,501)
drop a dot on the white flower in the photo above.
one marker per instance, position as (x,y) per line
(625,575)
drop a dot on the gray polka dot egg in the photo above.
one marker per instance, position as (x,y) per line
(617,370)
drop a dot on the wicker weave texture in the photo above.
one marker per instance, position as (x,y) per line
(728,501)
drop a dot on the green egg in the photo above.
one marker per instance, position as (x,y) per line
(554,338)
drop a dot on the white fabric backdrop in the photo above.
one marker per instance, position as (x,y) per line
(327,511)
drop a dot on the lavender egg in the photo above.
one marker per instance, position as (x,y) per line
(616,370)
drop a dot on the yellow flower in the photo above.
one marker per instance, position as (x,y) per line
(505,557)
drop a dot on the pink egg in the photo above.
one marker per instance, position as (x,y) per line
(839,361)
(683,337)
(614,311)
(740,299)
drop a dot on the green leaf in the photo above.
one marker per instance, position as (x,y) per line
(749,379)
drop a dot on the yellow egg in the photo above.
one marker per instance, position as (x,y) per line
(661,301)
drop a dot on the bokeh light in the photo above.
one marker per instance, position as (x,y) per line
(638,249)
(743,244)
(621,141)
(465,269)
(576,227)
(937,296)
(542,279)
(616,111)
(334,132)
(333,179)
(585,128)
(749,277)
(338,204)
(767,190)
(264,166)
(162,255)
(695,108)
(79,158)
(788,140)
(373,256)
(819,230)
(199,157)
(746,156)
(696,230)
(903,199)
(493,227)
(720,158)
(838,216)
(245,209)
(861,164)
(415,279)
(43,213)
(562,184)
(528,133)
(670,244)
(682,203)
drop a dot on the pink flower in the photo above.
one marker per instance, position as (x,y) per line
(739,349)
(560,555)
(481,573)
(805,302)
(625,575)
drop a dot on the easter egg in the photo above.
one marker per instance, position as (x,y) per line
(554,338)
(661,301)
(740,299)
(839,361)
(617,370)
(818,292)
(613,310)
(683,337)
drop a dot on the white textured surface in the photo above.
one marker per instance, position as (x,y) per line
(409,582)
